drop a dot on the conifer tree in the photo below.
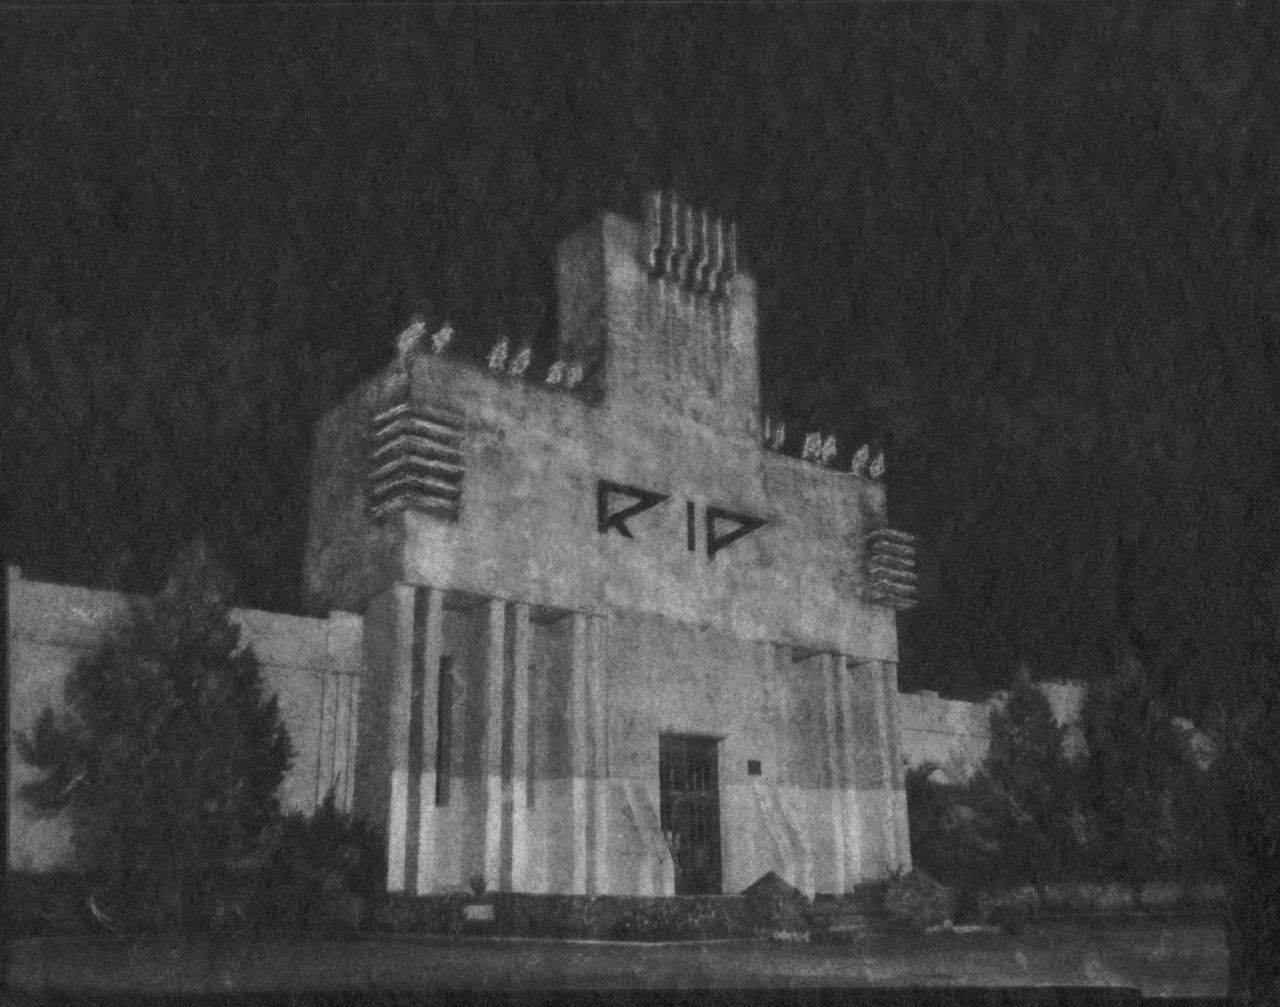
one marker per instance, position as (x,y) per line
(1025,791)
(167,756)
(1137,761)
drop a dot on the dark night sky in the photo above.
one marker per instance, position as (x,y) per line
(1030,247)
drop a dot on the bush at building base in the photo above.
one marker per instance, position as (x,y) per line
(325,872)
(917,902)
(1133,809)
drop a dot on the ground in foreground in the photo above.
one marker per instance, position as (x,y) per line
(1171,957)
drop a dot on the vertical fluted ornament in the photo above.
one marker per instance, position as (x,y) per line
(698,274)
(680,241)
(686,277)
(653,232)
(687,246)
(731,262)
(717,259)
(673,237)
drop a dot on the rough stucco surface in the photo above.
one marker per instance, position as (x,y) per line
(533,455)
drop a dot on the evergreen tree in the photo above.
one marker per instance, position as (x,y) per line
(1018,820)
(1248,805)
(167,756)
(1137,764)
(1026,790)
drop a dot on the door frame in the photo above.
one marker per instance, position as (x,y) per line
(707,747)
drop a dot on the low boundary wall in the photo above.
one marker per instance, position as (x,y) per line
(312,665)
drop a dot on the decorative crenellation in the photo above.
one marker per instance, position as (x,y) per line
(822,450)
(442,338)
(520,362)
(891,569)
(410,343)
(774,437)
(415,461)
(689,247)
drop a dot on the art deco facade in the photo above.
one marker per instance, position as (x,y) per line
(612,643)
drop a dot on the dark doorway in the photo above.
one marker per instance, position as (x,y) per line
(690,810)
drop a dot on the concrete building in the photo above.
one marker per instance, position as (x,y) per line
(611,642)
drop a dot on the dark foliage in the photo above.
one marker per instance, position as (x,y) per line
(1135,806)
(917,902)
(1028,789)
(1249,802)
(1018,820)
(167,758)
(325,872)
(1142,786)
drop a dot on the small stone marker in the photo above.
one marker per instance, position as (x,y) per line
(478,913)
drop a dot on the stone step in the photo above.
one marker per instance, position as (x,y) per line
(848,930)
(846,918)
(864,900)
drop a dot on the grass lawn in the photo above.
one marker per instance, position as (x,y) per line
(1171,957)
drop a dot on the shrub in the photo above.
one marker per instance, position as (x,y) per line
(1017,820)
(947,840)
(1146,795)
(324,872)
(1026,793)
(917,901)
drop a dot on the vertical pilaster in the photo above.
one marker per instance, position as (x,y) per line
(852,811)
(399,681)
(887,756)
(325,730)
(597,636)
(579,811)
(516,795)
(428,648)
(831,723)
(493,663)
(353,739)
(896,782)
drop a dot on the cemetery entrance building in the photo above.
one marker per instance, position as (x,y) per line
(618,637)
